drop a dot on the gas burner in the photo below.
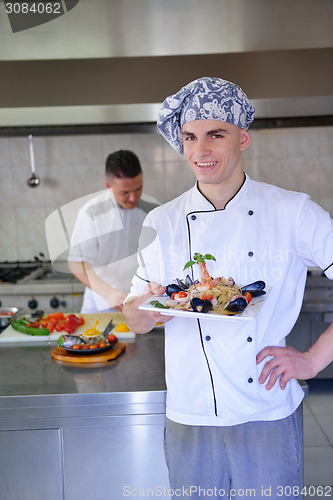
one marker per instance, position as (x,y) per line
(14,274)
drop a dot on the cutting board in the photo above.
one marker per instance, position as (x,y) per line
(12,335)
(62,355)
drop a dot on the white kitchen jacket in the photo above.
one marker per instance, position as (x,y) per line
(106,236)
(263,233)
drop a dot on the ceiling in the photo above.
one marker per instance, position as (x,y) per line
(109,61)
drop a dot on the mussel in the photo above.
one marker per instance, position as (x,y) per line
(185,285)
(173,288)
(237,305)
(205,305)
(256,289)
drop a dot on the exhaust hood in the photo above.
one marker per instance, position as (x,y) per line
(114,61)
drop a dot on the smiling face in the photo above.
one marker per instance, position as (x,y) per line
(214,148)
(126,190)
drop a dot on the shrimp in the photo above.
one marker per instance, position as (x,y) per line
(206,281)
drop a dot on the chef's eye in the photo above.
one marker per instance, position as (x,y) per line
(216,136)
(189,138)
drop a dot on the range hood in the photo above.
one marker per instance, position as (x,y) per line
(114,61)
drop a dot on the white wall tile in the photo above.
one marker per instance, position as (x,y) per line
(8,253)
(57,150)
(58,185)
(271,143)
(19,151)
(273,171)
(154,180)
(304,175)
(7,198)
(304,142)
(87,149)
(250,166)
(148,147)
(114,142)
(87,179)
(30,227)
(170,154)
(7,227)
(326,175)
(4,152)
(326,203)
(326,141)
(179,177)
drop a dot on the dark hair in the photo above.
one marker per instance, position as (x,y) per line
(123,163)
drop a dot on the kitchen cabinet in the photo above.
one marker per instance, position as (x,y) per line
(31,464)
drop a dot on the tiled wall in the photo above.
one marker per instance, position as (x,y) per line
(70,167)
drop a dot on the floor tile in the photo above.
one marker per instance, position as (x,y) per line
(318,466)
(321,404)
(320,399)
(313,434)
(306,408)
(326,422)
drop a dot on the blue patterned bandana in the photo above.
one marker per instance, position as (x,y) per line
(203,99)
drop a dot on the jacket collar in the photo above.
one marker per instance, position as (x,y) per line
(204,204)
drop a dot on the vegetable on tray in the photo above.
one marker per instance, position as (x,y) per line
(22,326)
(46,325)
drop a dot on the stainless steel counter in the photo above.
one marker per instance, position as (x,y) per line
(82,431)
(27,370)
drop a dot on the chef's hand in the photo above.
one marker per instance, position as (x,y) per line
(116,298)
(143,321)
(155,289)
(286,363)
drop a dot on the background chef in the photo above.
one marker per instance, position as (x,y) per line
(104,242)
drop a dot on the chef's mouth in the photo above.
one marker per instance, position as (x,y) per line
(205,164)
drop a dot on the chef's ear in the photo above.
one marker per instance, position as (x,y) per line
(245,139)
(107,185)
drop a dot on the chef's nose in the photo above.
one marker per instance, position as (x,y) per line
(132,197)
(202,147)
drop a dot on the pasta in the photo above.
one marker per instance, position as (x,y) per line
(219,295)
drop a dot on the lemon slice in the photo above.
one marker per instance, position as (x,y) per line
(92,332)
(122,328)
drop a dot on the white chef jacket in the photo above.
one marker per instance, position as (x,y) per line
(264,232)
(106,236)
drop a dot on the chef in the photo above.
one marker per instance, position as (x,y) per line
(232,388)
(104,242)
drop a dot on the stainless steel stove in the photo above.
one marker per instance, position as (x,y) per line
(36,285)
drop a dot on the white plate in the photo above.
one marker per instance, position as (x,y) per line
(250,312)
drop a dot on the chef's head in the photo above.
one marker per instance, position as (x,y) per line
(123,175)
(203,99)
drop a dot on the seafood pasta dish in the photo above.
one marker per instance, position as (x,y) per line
(218,295)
